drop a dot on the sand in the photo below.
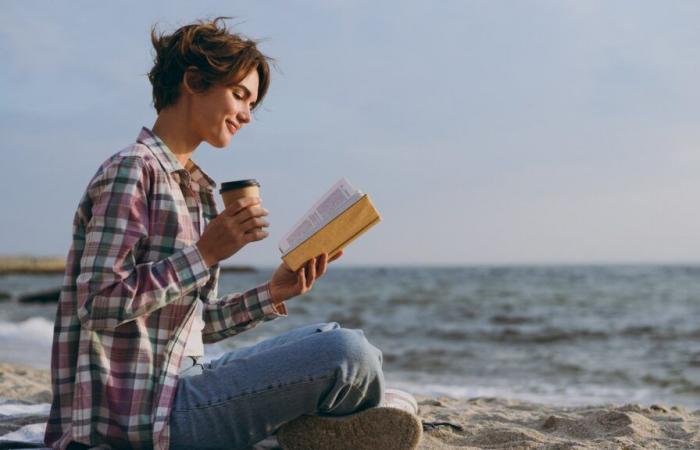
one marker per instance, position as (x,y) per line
(18,382)
(478,423)
(495,423)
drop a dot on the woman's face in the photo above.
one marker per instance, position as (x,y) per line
(220,111)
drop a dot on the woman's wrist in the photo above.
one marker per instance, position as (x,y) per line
(208,259)
(275,296)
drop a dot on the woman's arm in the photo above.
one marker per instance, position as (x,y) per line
(236,313)
(112,287)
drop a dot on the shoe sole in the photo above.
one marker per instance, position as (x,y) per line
(374,428)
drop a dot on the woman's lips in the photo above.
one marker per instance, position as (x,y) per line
(231,127)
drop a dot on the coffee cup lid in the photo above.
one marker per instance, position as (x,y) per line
(238,184)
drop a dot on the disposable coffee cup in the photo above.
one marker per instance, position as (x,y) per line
(233,190)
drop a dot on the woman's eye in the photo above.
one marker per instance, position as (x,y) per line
(238,95)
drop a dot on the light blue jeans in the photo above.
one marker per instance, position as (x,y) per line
(247,394)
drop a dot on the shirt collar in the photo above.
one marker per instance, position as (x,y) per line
(170,163)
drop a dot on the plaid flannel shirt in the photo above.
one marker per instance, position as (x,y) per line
(132,280)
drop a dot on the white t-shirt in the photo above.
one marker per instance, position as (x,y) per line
(195,345)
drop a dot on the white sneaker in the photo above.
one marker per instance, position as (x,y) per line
(393,425)
(396,398)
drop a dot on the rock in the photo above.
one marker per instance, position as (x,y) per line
(46,296)
(431,402)
(229,269)
(551,423)
(658,408)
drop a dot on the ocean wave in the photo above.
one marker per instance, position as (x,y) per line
(436,359)
(547,336)
(508,331)
(660,333)
(569,396)
(27,342)
(677,383)
(32,330)
(504,319)
(512,335)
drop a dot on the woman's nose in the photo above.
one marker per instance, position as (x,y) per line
(244,116)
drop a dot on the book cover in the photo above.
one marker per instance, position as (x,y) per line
(349,221)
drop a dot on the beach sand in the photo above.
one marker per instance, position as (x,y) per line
(18,382)
(478,423)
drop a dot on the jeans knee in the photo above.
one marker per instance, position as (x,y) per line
(355,352)
(358,381)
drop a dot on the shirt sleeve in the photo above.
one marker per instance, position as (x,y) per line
(236,313)
(112,288)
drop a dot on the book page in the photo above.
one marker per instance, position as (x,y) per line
(336,200)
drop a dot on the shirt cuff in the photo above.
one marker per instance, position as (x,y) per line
(258,302)
(192,272)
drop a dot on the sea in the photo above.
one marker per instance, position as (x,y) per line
(562,335)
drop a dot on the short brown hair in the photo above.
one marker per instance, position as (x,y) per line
(219,57)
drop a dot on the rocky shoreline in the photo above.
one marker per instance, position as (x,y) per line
(21,265)
(458,423)
(33,265)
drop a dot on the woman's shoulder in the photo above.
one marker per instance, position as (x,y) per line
(134,163)
(133,155)
(136,155)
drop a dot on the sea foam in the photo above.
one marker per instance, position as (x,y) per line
(27,342)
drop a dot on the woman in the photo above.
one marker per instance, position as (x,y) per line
(140,292)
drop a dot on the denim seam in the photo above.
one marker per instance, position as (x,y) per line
(254,393)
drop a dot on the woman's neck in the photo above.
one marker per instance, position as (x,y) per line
(172,126)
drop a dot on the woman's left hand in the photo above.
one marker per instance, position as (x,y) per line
(286,283)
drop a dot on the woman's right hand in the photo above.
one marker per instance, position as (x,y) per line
(240,223)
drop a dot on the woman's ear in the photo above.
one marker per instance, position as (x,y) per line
(192,81)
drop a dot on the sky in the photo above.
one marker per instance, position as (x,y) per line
(485,132)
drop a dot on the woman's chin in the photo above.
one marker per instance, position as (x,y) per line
(220,141)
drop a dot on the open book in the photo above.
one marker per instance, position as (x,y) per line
(338,218)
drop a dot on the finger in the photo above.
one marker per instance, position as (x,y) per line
(239,204)
(311,272)
(336,256)
(321,264)
(251,212)
(301,279)
(252,224)
(257,234)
